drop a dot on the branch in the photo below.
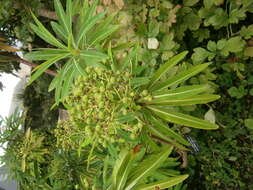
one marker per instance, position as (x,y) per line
(48,71)
(8,57)
(41,12)
(47,13)
(182,153)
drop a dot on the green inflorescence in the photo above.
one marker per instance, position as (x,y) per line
(100,103)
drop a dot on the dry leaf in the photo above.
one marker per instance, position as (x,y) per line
(100,9)
(119,3)
(2,39)
(106,2)
(8,48)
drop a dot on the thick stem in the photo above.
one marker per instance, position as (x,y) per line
(50,72)
(41,12)
(47,13)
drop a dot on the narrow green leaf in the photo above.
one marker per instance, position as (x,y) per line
(59,31)
(148,141)
(146,167)
(80,67)
(197,99)
(180,92)
(164,68)
(44,66)
(91,10)
(166,131)
(69,14)
(180,77)
(87,26)
(126,118)
(103,34)
(124,172)
(68,80)
(54,82)
(119,168)
(91,58)
(124,46)
(139,81)
(93,54)
(43,33)
(110,54)
(156,132)
(44,54)
(67,68)
(103,30)
(163,184)
(64,21)
(182,119)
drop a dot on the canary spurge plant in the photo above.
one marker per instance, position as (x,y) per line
(117,105)
(79,35)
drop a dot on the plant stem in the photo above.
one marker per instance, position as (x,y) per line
(48,71)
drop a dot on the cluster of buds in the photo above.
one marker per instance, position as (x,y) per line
(66,135)
(98,99)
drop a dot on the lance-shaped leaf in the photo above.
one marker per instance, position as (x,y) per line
(80,66)
(164,68)
(92,58)
(103,30)
(139,81)
(44,34)
(96,55)
(181,77)
(63,19)
(163,184)
(166,131)
(182,119)
(69,14)
(45,54)
(121,170)
(180,92)
(87,26)
(158,134)
(44,66)
(55,82)
(126,118)
(101,35)
(146,168)
(59,31)
(197,99)
(68,80)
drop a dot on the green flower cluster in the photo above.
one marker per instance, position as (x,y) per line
(68,135)
(102,103)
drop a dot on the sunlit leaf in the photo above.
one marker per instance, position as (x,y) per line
(196,99)
(166,131)
(180,77)
(43,33)
(182,119)
(44,66)
(146,167)
(44,54)
(59,31)
(63,19)
(164,68)
(87,26)
(163,184)
(180,92)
